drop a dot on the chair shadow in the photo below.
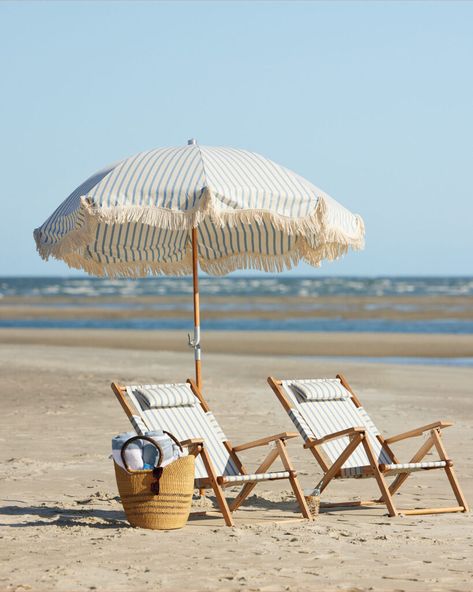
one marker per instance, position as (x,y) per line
(257,502)
(59,516)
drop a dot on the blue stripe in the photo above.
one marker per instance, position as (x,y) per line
(134,178)
(155,161)
(193,164)
(105,186)
(130,170)
(254,171)
(185,158)
(238,164)
(219,182)
(250,228)
(160,185)
(227,180)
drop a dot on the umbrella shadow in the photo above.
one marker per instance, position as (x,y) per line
(65,517)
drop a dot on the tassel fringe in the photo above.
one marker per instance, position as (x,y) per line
(316,239)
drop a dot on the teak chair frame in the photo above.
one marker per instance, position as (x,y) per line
(357,436)
(217,483)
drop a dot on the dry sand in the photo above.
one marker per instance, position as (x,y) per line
(61,524)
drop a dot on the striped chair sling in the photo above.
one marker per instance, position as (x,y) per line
(175,408)
(320,407)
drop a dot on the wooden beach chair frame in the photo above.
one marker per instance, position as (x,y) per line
(217,483)
(357,437)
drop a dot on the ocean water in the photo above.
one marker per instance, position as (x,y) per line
(239,286)
(309,297)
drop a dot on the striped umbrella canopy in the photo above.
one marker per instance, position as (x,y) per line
(167,210)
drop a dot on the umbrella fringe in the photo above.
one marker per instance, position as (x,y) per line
(316,238)
(185,220)
(217,267)
(129,269)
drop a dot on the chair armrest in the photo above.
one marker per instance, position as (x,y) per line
(418,431)
(195,445)
(334,436)
(192,441)
(267,440)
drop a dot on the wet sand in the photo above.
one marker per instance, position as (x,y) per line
(272,343)
(274,307)
(61,524)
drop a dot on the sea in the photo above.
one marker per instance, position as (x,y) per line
(282,294)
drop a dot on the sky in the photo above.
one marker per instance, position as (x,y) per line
(370,101)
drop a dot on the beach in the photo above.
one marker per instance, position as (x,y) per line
(286,197)
(63,528)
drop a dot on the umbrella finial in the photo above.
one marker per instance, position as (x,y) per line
(192,142)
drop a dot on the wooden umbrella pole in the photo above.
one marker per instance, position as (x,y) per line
(196,341)
(195,277)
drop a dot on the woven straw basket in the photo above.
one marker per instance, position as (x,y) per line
(312,498)
(166,509)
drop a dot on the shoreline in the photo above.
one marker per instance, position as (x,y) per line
(255,343)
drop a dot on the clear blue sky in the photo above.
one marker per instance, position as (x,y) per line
(373,102)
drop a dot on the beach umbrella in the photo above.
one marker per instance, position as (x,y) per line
(169,210)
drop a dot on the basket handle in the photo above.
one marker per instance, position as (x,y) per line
(149,439)
(133,439)
(174,439)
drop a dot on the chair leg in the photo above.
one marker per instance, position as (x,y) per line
(452,478)
(418,456)
(296,488)
(383,486)
(248,487)
(222,502)
(337,465)
(241,497)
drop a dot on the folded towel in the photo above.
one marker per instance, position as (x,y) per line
(133,452)
(142,454)
(169,448)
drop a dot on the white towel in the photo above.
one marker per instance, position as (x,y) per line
(133,452)
(141,452)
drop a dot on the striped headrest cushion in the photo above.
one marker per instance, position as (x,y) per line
(165,395)
(322,389)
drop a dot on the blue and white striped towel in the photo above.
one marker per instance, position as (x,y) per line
(141,454)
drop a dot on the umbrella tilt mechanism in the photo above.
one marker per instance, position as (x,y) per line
(195,343)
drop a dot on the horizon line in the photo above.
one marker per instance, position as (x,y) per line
(202,275)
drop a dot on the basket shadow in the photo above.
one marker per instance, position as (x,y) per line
(65,517)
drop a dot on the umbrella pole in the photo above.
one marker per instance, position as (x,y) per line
(196,341)
(195,278)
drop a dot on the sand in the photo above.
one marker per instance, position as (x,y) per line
(273,307)
(256,343)
(61,523)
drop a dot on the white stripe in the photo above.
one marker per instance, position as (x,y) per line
(412,467)
(257,477)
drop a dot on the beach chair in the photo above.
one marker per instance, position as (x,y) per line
(182,410)
(346,443)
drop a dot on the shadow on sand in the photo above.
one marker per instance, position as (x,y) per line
(53,515)
(65,517)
